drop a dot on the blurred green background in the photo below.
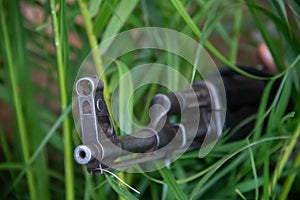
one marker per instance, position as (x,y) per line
(43,44)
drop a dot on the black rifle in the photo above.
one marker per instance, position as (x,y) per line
(163,139)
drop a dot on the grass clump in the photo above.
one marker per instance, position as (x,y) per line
(43,45)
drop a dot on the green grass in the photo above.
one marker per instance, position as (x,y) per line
(38,66)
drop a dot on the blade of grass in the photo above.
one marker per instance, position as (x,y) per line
(212,18)
(223,34)
(120,189)
(238,127)
(295,7)
(291,42)
(169,179)
(68,155)
(240,194)
(284,99)
(209,25)
(92,38)
(236,33)
(164,194)
(273,121)
(98,190)
(4,146)
(100,185)
(29,103)
(264,32)
(106,9)
(88,185)
(55,175)
(254,171)
(249,185)
(261,111)
(43,144)
(205,7)
(221,162)
(94,6)
(261,114)
(125,107)
(17,103)
(121,13)
(179,7)
(154,191)
(242,176)
(282,161)
(290,179)
(23,68)
(208,180)
(11,166)
(125,104)
(279,7)
(96,53)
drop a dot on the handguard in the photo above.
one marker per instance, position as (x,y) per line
(163,139)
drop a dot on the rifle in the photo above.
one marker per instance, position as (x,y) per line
(200,108)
